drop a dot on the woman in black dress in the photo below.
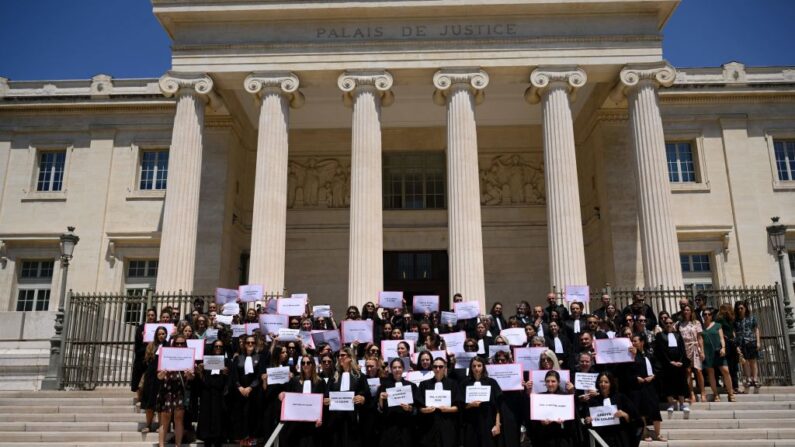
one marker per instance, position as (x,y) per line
(346,431)
(482,426)
(397,421)
(213,385)
(623,434)
(270,405)
(642,388)
(669,348)
(549,433)
(171,397)
(438,425)
(304,434)
(151,384)
(514,408)
(139,367)
(244,381)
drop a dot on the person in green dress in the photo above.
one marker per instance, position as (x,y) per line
(715,354)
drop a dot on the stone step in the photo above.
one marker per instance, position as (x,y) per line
(109,438)
(750,405)
(724,424)
(75,417)
(738,434)
(722,443)
(75,402)
(84,427)
(737,413)
(100,392)
(44,409)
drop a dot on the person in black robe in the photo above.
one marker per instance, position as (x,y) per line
(368,415)
(549,433)
(213,385)
(270,404)
(151,384)
(397,421)
(346,431)
(304,434)
(624,434)
(669,348)
(564,349)
(244,383)
(438,425)
(481,420)
(642,391)
(139,352)
(514,408)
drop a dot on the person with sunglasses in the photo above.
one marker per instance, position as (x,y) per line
(749,342)
(171,397)
(642,389)
(347,377)
(151,385)
(622,434)
(244,383)
(715,354)
(397,422)
(439,425)
(304,434)
(691,331)
(139,352)
(669,349)
(514,408)
(549,433)
(481,420)
(212,386)
(270,405)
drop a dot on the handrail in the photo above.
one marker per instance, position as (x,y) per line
(274,439)
(595,439)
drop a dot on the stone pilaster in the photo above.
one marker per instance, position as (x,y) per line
(553,88)
(366,92)
(659,246)
(460,90)
(181,210)
(277,92)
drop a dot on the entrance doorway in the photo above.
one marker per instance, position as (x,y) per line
(418,273)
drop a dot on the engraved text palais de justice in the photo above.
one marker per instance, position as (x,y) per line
(442,30)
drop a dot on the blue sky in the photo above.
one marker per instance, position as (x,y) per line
(59,39)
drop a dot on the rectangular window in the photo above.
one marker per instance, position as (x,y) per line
(141,276)
(51,169)
(681,166)
(33,285)
(414,181)
(154,170)
(696,271)
(785,159)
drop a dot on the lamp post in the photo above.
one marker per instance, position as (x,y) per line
(53,380)
(777,235)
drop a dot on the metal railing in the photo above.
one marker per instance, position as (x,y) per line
(595,440)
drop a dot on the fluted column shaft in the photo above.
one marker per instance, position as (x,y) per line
(177,257)
(564,220)
(459,91)
(269,225)
(659,246)
(366,92)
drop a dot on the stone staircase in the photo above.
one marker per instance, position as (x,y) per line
(109,417)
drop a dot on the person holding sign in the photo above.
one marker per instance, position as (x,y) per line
(549,433)
(139,352)
(439,403)
(212,383)
(482,426)
(243,392)
(397,421)
(151,384)
(642,389)
(347,378)
(270,404)
(615,434)
(171,397)
(669,348)
(305,434)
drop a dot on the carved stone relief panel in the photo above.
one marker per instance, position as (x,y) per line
(314,182)
(512,179)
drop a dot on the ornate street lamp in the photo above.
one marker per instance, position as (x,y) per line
(777,236)
(54,378)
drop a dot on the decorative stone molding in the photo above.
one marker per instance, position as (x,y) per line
(285,82)
(381,81)
(3,86)
(101,86)
(543,78)
(512,179)
(446,79)
(661,74)
(319,183)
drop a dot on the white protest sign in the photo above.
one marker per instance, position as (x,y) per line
(232,308)
(212,362)
(340,400)
(373,383)
(271,323)
(463,359)
(577,293)
(270,306)
(332,337)
(425,304)
(278,375)
(465,310)
(508,375)
(323,310)
(293,307)
(223,296)
(515,336)
(286,334)
(454,341)
(304,296)
(585,381)
(613,350)
(539,380)
(476,393)
(528,357)
(224,319)
(175,359)
(211,335)
(399,395)
(411,337)
(603,416)
(302,407)
(389,348)
(416,377)
(448,318)
(251,292)
(198,345)
(251,327)
(493,349)
(390,300)
(551,407)
(357,330)
(150,328)
(306,339)
(437,399)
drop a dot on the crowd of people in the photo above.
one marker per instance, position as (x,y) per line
(675,358)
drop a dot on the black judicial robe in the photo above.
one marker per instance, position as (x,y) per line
(439,429)
(212,411)
(514,409)
(243,410)
(345,428)
(139,352)
(397,424)
(369,417)
(479,421)
(554,434)
(624,434)
(303,434)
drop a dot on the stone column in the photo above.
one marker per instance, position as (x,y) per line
(181,210)
(460,90)
(659,246)
(277,93)
(552,87)
(366,92)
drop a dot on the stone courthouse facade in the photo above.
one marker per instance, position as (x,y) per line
(495,148)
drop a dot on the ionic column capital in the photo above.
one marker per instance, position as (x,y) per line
(542,79)
(284,83)
(380,81)
(447,80)
(176,84)
(658,74)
